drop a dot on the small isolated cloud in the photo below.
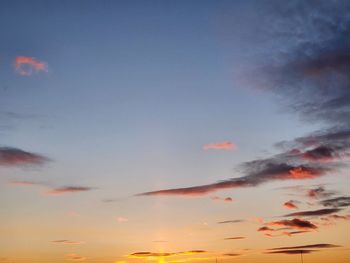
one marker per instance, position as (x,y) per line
(232,254)
(25,66)
(231,221)
(291,204)
(66,242)
(121,219)
(226,145)
(234,238)
(319,212)
(294,223)
(75,257)
(222,199)
(68,189)
(16,157)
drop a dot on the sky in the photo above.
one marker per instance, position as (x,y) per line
(174,131)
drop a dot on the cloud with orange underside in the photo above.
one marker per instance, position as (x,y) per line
(291,204)
(226,145)
(25,66)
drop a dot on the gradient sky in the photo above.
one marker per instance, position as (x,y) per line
(174,131)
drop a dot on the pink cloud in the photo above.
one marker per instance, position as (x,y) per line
(75,257)
(26,65)
(68,189)
(226,145)
(67,242)
(122,219)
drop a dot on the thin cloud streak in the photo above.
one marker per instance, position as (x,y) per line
(68,189)
(226,145)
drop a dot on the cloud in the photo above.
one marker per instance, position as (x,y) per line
(257,172)
(66,242)
(305,61)
(319,192)
(319,212)
(290,205)
(232,254)
(274,232)
(16,157)
(122,219)
(226,199)
(23,183)
(150,255)
(68,189)
(234,238)
(25,66)
(231,221)
(291,252)
(226,145)
(306,247)
(294,223)
(75,257)
(342,201)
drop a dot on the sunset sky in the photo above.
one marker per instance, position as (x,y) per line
(175,131)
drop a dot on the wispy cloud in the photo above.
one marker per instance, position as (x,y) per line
(16,157)
(322,245)
(25,66)
(292,251)
(234,238)
(226,145)
(66,242)
(319,212)
(342,201)
(231,221)
(68,189)
(75,257)
(150,255)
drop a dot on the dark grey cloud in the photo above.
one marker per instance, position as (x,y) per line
(342,201)
(322,245)
(320,212)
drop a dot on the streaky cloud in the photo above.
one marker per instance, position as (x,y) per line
(319,212)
